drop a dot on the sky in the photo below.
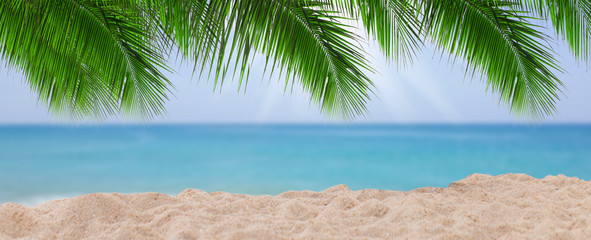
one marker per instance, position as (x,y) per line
(432,90)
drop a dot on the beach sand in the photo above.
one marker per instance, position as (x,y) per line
(512,206)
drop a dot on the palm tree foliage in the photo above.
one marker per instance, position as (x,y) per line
(500,42)
(83,57)
(95,58)
(302,39)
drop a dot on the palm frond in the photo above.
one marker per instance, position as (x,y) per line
(500,42)
(298,38)
(104,57)
(84,57)
(394,24)
(571,20)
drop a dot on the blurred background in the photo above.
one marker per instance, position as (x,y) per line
(428,126)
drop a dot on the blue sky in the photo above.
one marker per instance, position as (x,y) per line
(430,91)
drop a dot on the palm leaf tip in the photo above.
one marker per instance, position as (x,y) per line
(303,41)
(501,43)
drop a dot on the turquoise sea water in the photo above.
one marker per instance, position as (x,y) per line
(38,163)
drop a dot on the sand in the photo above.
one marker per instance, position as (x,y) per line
(512,206)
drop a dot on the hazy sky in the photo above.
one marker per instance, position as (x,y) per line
(431,91)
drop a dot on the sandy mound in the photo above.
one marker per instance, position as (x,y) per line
(512,206)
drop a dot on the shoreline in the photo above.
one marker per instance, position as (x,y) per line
(512,206)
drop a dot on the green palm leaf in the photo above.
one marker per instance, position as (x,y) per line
(571,20)
(498,41)
(300,39)
(103,57)
(84,58)
(393,23)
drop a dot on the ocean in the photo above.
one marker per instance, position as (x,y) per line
(40,163)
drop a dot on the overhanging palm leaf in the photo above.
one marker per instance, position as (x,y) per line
(318,50)
(498,41)
(571,20)
(84,57)
(393,23)
(299,38)
(100,57)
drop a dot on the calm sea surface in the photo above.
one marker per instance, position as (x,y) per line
(39,163)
